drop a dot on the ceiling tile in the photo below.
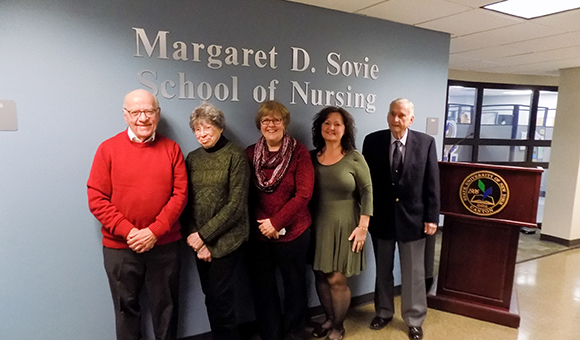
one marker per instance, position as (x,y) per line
(514,33)
(459,68)
(460,44)
(474,65)
(413,11)
(519,71)
(550,68)
(529,58)
(456,60)
(561,64)
(473,3)
(509,69)
(559,54)
(340,5)
(567,21)
(475,20)
(489,53)
(546,56)
(482,40)
(547,43)
(505,69)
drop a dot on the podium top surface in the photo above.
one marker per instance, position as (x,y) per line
(490,166)
(506,193)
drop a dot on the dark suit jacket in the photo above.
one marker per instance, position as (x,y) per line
(400,210)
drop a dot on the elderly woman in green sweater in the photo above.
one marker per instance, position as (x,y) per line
(217,215)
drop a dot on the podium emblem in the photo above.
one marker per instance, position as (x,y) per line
(484,193)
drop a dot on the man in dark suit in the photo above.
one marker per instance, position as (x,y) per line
(405,176)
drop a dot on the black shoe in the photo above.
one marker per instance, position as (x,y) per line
(319,331)
(415,333)
(380,323)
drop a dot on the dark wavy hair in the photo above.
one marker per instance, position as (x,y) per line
(348,139)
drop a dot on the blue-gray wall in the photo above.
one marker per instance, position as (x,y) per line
(68,63)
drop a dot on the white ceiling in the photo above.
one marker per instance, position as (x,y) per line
(482,40)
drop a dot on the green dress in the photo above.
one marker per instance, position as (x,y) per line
(342,192)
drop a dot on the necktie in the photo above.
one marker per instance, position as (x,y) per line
(397,161)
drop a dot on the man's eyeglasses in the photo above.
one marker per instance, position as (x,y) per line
(149,113)
(267,121)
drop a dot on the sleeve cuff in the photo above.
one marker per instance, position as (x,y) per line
(157,229)
(123,228)
(276,224)
(202,237)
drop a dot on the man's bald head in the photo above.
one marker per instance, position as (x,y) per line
(140,94)
(141,113)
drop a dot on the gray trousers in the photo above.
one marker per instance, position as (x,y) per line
(413,293)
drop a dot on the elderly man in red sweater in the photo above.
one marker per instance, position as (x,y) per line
(137,190)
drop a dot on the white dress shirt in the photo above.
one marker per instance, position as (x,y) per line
(136,139)
(403,147)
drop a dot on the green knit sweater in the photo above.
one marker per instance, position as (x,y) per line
(218,198)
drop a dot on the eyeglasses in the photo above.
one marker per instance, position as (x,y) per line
(149,113)
(267,121)
(203,129)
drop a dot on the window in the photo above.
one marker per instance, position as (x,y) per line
(500,124)
(546,115)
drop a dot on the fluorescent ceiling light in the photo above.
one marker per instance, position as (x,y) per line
(529,9)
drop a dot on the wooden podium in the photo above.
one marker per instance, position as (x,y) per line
(484,206)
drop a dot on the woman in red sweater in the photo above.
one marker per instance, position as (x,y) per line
(283,180)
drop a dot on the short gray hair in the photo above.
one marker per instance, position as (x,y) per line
(403,101)
(207,112)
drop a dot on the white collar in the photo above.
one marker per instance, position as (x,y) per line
(403,139)
(136,139)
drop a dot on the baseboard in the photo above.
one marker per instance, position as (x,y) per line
(564,242)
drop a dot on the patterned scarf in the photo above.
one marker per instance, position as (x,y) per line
(279,163)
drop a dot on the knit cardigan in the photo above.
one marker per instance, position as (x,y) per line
(218,198)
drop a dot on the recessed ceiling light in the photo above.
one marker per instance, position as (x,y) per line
(529,9)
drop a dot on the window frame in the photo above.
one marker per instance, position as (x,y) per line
(476,141)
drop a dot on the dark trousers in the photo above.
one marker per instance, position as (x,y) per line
(156,270)
(290,259)
(217,282)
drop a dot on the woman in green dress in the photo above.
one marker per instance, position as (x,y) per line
(341,208)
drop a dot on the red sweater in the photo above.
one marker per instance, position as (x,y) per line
(137,185)
(287,206)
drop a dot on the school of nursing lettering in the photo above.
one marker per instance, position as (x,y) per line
(484,193)
(159,45)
